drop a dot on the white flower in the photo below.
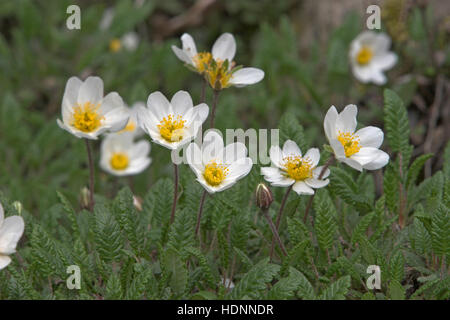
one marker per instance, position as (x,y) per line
(227,283)
(86,113)
(172,124)
(11,230)
(132,125)
(130,41)
(217,167)
(291,168)
(357,149)
(223,49)
(120,156)
(370,56)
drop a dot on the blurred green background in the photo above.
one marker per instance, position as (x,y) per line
(301,45)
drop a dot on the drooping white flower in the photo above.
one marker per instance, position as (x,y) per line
(227,283)
(360,149)
(86,113)
(11,230)
(218,64)
(217,167)
(121,156)
(370,56)
(172,124)
(132,125)
(289,168)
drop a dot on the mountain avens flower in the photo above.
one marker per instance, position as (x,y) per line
(172,124)
(11,230)
(290,168)
(86,113)
(358,149)
(216,166)
(121,156)
(217,66)
(370,56)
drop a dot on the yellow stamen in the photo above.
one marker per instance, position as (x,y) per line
(350,142)
(172,129)
(298,168)
(364,55)
(202,61)
(215,173)
(219,75)
(86,117)
(115,45)
(119,161)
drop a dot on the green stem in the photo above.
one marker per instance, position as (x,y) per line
(91,175)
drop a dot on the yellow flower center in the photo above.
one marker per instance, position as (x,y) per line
(350,142)
(298,168)
(364,55)
(215,173)
(119,161)
(202,61)
(86,117)
(219,75)
(115,45)
(172,129)
(131,126)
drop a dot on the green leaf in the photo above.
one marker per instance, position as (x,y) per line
(361,227)
(175,269)
(337,290)
(440,235)
(396,123)
(325,224)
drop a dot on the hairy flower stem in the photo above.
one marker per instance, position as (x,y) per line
(324,169)
(277,225)
(175,193)
(200,211)
(214,106)
(274,230)
(203,94)
(91,175)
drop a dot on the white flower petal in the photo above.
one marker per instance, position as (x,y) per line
(370,137)
(140,149)
(194,158)
(301,188)
(182,55)
(380,161)
(316,183)
(158,104)
(115,120)
(284,182)
(91,90)
(352,163)
(233,152)
(4,261)
(290,148)
(366,155)
(2,215)
(11,231)
(246,76)
(318,170)
(385,61)
(314,155)
(70,97)
(338,148)
(276,156)
(189,45)
(224,48)
(110,102)
(239,169)
(212,146)
(346,120)
(181,102)
(329,123)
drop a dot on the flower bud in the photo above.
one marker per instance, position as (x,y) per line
(18,206)
(264,196)
(137,202)
(84,198)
